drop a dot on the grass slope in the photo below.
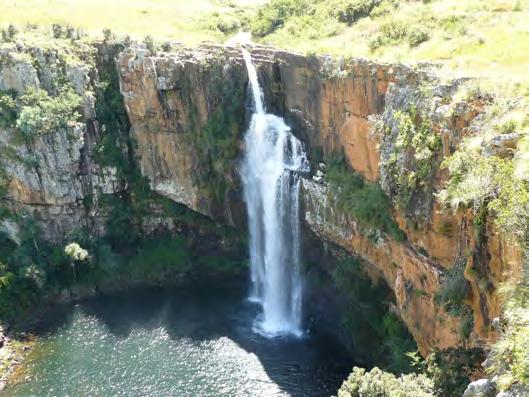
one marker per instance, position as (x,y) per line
(174,19)
(486,38)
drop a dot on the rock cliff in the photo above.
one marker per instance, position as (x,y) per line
(187,113)
(49,175)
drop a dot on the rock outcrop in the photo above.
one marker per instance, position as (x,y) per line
(187,112)
(331,106)
(50,175)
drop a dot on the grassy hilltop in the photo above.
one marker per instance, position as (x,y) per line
(488,38)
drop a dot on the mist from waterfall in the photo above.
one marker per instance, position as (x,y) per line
(274,157)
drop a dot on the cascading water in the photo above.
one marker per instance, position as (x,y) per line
(274,157)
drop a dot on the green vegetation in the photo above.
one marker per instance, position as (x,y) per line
(377,383)
(453,291)
(395,32)
(491,180)
(158,256)
(443,373)
(451,370)
(36,112)
(315,18)
(217,143)
(365,201)
(509,358)
(370,320)
(172,19)
(476,37)
(115,149)
(409,169)
(8,110)
(28,269)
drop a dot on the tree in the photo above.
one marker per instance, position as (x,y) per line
(76,254)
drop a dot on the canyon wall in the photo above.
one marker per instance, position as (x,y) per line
(187,113)
(335,105)
(49,176)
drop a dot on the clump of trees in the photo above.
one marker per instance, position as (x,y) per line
(76,254)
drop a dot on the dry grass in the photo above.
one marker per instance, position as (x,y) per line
(486,38)
(173,19)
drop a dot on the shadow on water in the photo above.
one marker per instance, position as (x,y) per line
(310,366)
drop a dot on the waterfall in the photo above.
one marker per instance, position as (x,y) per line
(273,159)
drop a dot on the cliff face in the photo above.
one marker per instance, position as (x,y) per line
(187,112)
(187,115)
(331,106)
(51,174)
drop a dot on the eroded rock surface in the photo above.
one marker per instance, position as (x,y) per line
(187,114)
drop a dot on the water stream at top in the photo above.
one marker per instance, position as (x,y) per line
(273,159)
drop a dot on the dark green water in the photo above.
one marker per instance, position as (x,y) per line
(175,342)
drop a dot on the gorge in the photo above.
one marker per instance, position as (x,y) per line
(157,161)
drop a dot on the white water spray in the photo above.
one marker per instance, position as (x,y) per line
(270,173)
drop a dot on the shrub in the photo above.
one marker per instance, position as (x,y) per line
(454,24)
(30,269)
(451,295)
(509,357)
(275,13)
(349,11)
(16,294)
(150,44)
(365,201)
(454,289)
(417,36)
(507,127)
(8,111)
(384,7)
(452,369)
(377,383)
(57,30)
(409,168)
(226,22)
(314,18)
(38,113)
(8,35)
(108,36)
(167,46)
(488,183)
(391,32)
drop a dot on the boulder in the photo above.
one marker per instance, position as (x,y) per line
(480,388)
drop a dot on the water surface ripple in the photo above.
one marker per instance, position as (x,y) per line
(174,342)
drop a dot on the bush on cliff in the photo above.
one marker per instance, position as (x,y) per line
(8,111)
(509,358)
(377,383)
(39,113)
(490,178)
(365,201)
(452,369)
(36,112)
(411,151)
(30,269)
(370,320)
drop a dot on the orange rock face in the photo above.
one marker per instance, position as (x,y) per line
(333,105)
(338,109)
